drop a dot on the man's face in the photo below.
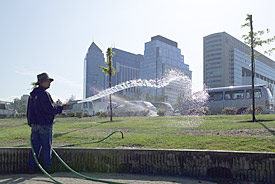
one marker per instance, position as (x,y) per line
(46,84)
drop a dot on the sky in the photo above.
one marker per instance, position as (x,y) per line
(53,36)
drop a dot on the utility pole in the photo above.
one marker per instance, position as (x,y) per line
(252,69)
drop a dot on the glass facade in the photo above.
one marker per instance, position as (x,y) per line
(227,62)
(126,65)
(161,55)
(94,78)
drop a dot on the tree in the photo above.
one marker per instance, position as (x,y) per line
(58,102)
(109,71)
(253,39)
(72,98)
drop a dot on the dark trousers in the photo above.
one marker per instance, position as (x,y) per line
(42,136)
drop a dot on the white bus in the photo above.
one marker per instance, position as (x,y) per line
(81,107)
(239,97)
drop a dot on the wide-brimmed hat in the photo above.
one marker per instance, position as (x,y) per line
(42,77)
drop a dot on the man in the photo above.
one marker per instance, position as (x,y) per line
(40,115)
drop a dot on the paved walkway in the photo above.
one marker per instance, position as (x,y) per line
(66,177)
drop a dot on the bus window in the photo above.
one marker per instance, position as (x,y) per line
(227,95)
(237,95)
(215,96)
(234,95)
(90,105)
(257,93)
(85,105)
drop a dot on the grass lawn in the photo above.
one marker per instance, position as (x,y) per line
(178,132)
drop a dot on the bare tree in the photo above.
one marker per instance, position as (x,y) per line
(109,71)
(253,39)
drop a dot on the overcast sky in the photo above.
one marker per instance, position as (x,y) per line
(53,35)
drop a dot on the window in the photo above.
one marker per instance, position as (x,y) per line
(215,96)
(234,95)
(257,93)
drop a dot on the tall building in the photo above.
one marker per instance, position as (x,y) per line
(125,63)
(94,78)
(227,62)
(161,55)
(127,67)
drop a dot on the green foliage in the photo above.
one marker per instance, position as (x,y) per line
(257,40)
(109,70)
(200,111)
(58,102)
(230,110)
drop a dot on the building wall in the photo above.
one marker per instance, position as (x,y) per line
(127,68)
(94,78)
(161,55)
(227,63)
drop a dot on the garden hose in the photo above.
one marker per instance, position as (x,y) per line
(70,145)
(83,176)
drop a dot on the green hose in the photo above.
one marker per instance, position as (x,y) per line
(40,167)
(68,167)
(70,145)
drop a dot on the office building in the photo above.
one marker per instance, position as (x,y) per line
(125,63)
(227,62)
(94,78)
(160,56)
(127,67)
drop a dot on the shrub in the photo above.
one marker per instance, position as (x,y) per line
(79,114)
(200,111)
(161,113)
(63,114)
(71,114)
(130,113)
(103,114)
(86,114)
(230,110)
(258,109)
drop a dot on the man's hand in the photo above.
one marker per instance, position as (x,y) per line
(66,106)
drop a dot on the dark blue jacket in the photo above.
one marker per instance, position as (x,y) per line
(41,109)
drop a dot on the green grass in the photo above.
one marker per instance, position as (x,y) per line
(178,132)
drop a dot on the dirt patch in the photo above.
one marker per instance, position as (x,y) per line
(237,133)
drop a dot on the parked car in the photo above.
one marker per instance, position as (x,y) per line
(5,111)
(164,107)
(147,105)
(103,106)
(135,108)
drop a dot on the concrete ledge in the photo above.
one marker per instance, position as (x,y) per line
(241,166)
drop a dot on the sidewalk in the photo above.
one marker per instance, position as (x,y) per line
(66,177)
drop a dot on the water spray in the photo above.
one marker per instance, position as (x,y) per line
(172,76)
